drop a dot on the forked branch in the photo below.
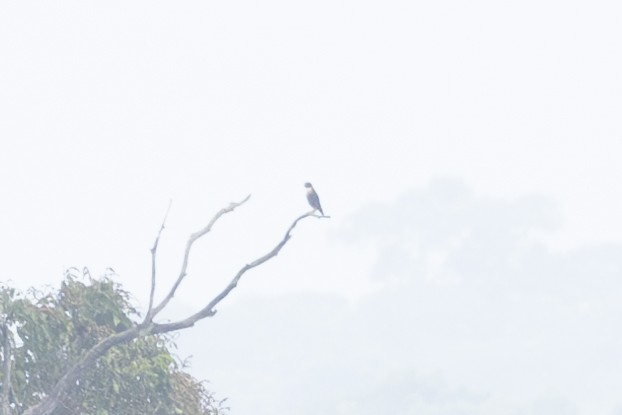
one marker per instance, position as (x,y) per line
(184,266)
(209,310)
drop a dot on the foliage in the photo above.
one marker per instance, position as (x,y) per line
(50,331)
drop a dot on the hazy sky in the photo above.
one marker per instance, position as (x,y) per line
(466,151)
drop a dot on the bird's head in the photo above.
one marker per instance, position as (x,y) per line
(308,185)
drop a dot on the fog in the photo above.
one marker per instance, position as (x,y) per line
(472,314)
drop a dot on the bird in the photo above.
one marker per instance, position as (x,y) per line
(313,198)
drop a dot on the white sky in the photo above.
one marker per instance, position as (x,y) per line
(108,110)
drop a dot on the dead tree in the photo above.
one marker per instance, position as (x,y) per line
(147,326)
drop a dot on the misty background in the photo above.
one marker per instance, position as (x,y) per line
(467,153)
(470,314)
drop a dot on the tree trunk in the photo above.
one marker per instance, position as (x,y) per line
(6,370)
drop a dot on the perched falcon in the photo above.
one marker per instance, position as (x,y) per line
(313,198)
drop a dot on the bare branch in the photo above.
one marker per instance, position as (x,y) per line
(208,310)
(153,262)
(189,244)
(55,396)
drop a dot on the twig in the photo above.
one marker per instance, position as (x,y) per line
(153,263)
